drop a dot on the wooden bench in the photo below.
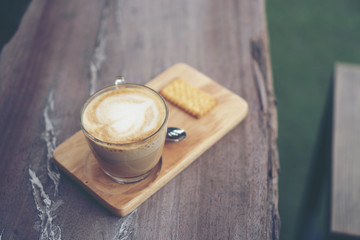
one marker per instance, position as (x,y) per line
(345,194)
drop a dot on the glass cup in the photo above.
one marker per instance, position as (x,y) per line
(125,159)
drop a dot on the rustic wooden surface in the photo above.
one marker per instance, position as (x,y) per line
(65,50)
(345,210)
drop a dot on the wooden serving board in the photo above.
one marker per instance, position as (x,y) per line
(75,158)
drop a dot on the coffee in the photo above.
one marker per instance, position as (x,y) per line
(124,115)
(126,128)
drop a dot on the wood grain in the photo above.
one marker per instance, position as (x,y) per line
(65,50)
(345,210)
(76,160)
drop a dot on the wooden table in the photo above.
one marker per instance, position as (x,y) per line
(65,50)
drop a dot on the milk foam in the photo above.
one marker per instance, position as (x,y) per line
(124,115)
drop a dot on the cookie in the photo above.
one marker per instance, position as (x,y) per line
(190,99)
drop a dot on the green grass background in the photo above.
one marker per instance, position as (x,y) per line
(306,39)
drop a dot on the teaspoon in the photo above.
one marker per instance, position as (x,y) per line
(175,134)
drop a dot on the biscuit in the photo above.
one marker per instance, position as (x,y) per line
(190,99)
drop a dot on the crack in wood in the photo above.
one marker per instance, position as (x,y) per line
(126,230)
(46,208)
(99,54)
(260,87)
(49,137)
(261,74)
(257,52)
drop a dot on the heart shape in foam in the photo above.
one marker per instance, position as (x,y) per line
(123,116)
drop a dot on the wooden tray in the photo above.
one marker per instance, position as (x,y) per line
(75,158)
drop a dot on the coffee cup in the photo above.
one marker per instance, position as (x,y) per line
(125,126)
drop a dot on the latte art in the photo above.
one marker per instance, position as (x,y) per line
(124,115)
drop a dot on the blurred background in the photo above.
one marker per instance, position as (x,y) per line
(306,39)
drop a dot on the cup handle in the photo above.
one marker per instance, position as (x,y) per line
(119,80)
